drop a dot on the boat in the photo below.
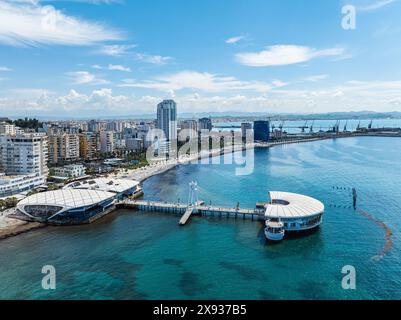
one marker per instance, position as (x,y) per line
(274,230)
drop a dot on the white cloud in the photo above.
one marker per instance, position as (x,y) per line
(316,78)
(95,1)
(85,77)
(4,69)
(234,39)
(280,55)
(102,99)
(115,50)
(350,96)
(375,5)
(152,59)
(119,68)
(24,23)
(113,67)
(278,83)
(201,81)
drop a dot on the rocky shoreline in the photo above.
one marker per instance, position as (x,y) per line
(10,227)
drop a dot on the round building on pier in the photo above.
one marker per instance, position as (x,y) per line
(297,212)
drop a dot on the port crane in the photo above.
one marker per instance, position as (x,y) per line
(305,126)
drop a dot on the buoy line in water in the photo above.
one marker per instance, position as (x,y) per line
(388,234)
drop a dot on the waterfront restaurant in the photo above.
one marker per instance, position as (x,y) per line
(296,212)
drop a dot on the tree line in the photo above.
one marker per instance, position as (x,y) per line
(27,123)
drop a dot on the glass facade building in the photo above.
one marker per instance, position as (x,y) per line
(261,130)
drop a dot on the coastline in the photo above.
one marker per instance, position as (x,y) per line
(144,173)
(10,226)
(151,170)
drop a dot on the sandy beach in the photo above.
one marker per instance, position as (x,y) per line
(141,174)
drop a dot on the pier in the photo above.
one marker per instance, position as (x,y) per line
(184,219)
(199,209)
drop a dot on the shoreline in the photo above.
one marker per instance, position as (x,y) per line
(144,173)
(10,227)
(149,171)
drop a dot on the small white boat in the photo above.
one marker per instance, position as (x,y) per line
(274,230)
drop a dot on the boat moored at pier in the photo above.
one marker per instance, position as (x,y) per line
(274,230)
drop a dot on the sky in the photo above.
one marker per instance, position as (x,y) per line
(99,58)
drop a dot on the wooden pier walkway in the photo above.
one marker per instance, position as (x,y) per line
(200,209)
(184,219)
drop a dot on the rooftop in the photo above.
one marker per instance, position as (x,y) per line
(67,198)
(104,184)
(292,205)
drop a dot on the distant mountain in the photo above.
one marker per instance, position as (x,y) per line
(363,115)
(238,116)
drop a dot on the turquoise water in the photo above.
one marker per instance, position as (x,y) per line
(137,255)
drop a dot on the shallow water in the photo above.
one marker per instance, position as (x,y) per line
(138,255)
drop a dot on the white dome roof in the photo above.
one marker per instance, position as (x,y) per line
(292,205)
(67,198)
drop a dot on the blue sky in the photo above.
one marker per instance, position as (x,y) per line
(100,58)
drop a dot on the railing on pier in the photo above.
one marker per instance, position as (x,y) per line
(187,212)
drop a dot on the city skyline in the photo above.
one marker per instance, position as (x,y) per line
(90,58)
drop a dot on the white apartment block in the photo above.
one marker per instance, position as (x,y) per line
(11,185)
(7,129)
(70,171)
(23,162)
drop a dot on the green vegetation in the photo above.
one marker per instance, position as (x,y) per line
(53,186)
(136,160)
(90,171)
(28,123)
(8,203)
(32,192)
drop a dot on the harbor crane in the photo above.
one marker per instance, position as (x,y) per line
(311,127)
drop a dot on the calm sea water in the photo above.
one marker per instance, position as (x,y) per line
(137,255)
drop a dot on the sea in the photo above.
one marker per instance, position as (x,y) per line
(147,255)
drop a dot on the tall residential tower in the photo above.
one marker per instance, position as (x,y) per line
(167,119)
